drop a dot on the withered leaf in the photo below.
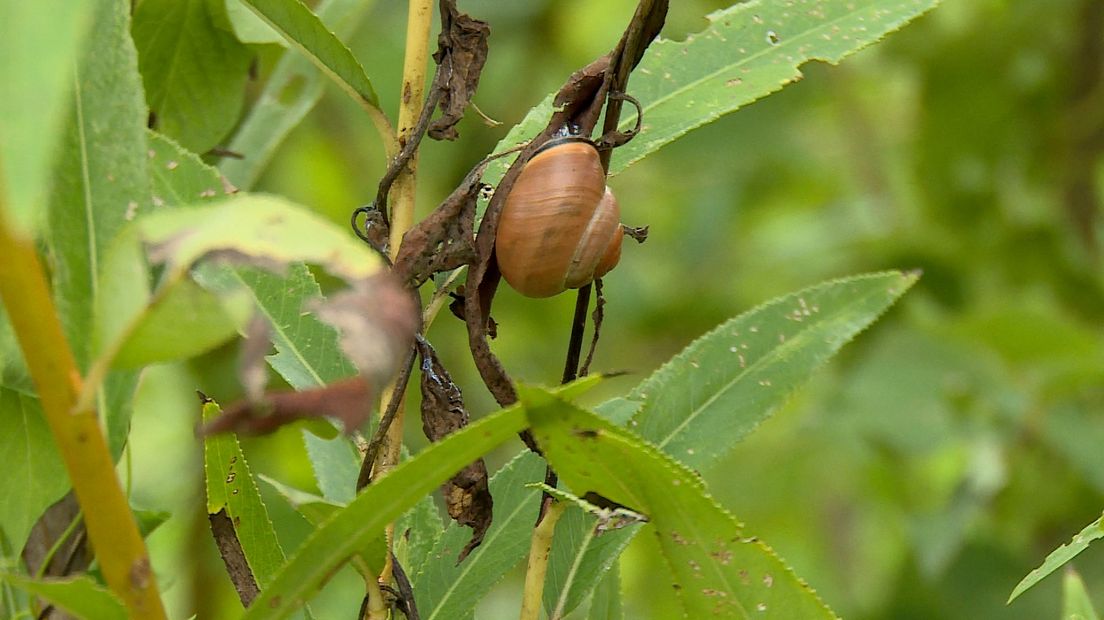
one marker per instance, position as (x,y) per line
(461,54)
(377,319)
(466,494)
(444,240)
(252,366)
(348,401)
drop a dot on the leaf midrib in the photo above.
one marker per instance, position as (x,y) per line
(487,544)
(800,338)
(625,123)
(279,329)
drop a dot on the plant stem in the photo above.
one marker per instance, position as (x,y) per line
(374,606)
(419,19)
(113,532)
(575,341)
(540,546)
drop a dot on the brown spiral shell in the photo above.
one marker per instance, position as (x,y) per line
(560,227)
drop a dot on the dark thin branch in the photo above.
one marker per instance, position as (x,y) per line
(406,601)
(575,341)
(388,417)
(596,317)
(407,153)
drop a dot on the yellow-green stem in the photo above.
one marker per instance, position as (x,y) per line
(540,545)
(384,129)
(377,607)
(419,19)
(112,530)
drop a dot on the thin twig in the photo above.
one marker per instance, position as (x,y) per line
(370,454)
(596,317)
(406,591)
(575,341)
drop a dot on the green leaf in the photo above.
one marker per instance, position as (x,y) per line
(80,596)
(100,178)
(717,569)
(1076,604)
(178,177)
(317,510)
(1061,555)
(416,533)
(150,520)
(193,67)
(580,557)
(249,28)
(748,51)
(339,538)
(182,320)
(709,396)
(292,91)
(34,476)
(265,230)
(305,31)
(255,228)
(314,508)
(185,322)
(446,590)
(335,466)
(718,389)
(307,351)
(231,487)
(37,57)
(308,354)
(605,603)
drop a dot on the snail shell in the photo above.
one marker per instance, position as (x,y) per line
(560,227)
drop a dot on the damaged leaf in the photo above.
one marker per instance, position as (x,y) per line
(467,495)
(252,366)
(348,401)
(461,53)
(253,229)
(376,320)
(238,517)
(264,231)
(719,569)
(444,240)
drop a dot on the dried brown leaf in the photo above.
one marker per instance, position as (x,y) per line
(444,240)
(348,401)
(461,54)
(466,494)
(376,319)
(252,366)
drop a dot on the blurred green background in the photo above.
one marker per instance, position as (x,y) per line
(945,452)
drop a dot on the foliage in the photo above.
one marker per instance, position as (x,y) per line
(920,471)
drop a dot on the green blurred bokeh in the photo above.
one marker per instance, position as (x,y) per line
(947,450)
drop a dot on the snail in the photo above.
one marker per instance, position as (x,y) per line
(560,227)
